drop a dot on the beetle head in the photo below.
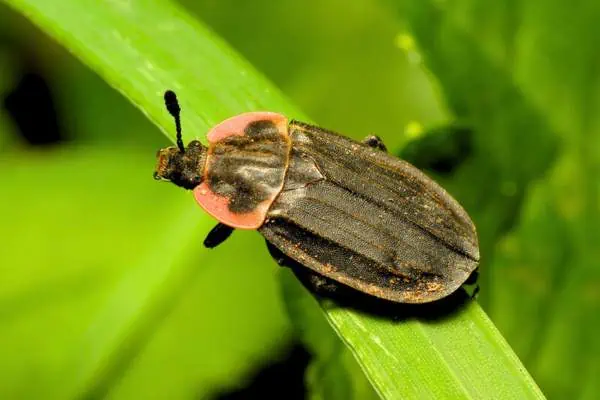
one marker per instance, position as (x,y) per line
(184,167)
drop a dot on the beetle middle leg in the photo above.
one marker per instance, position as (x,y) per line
(375,142)
(313,281)
(280,258)
(217,235)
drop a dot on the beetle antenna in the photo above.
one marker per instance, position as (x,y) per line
(173,107)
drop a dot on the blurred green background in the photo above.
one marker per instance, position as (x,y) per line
(498,101)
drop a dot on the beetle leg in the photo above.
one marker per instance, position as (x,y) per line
(475,292)
(311,280)
(472,280)
(375,142)
(217,235)
(315,282)
(281,259)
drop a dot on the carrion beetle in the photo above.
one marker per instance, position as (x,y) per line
(346,212)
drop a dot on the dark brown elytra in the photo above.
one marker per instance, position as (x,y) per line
(344,212)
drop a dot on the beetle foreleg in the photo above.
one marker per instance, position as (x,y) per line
(375,142)
(217,235)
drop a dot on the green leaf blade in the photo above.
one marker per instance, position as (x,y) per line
(450,358)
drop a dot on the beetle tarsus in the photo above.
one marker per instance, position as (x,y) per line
(217,235)
(475,292)
(472,281)
(375,142)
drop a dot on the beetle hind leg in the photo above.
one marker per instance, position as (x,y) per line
(375,142)
(472,280)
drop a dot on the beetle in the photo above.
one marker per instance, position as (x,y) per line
(348,213)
